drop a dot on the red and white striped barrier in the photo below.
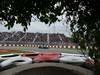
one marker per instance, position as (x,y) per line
(31,45)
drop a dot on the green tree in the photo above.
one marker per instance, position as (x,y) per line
(83,15)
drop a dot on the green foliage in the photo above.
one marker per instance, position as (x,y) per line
(97,70)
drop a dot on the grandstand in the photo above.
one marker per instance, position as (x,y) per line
(34,38)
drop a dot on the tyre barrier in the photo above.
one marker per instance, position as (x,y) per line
(16,60)
(47,69)
(7,56)
(69,54)
(72,58)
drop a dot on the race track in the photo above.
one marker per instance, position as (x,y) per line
(46,50)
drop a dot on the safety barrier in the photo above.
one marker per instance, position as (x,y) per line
(32,45)
(47,69)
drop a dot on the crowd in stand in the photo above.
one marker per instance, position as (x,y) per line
(33,37)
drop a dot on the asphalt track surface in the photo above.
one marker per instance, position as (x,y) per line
(46,50)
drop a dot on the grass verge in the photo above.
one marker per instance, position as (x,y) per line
(17,52)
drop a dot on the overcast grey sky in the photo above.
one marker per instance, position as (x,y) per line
(36,26)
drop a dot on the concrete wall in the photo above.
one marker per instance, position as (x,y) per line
(47,69)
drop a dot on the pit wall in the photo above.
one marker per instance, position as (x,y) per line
(36,46)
